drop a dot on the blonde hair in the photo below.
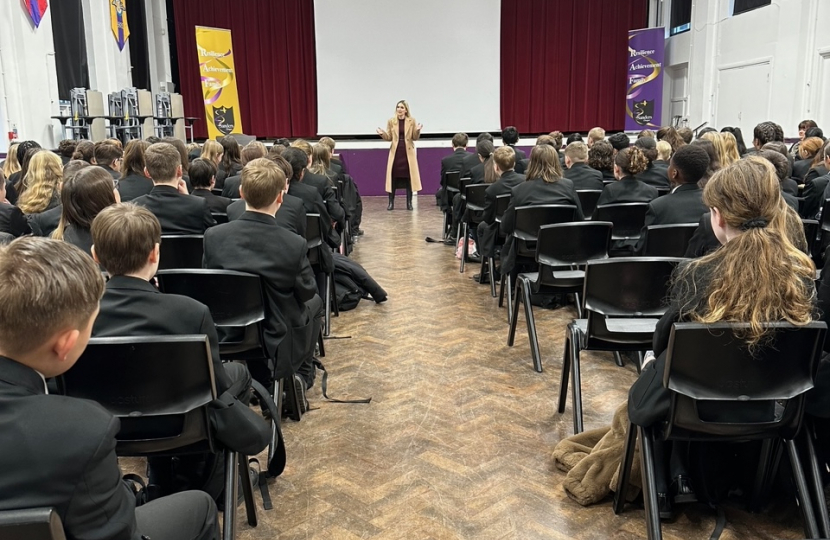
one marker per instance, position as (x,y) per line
(761,275)
(320,161)
(596,134)
(663,151)
(717,141)
(41,182)
(405,106)
(262,181)
(303,145)
(544,164)
(212,150)
(11,165)
(730,149)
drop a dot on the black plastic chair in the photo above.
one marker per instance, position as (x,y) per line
(31,524)
(811,233)
(220,217)
(217,191)
(502,202)
(186,251)
(527,223)
(720,391)
(623,300)
(314,239)
(663,191)
(588,200)
(162,403)
(561,251)
(474,197)
(667,240)
(452,187)
(628,219)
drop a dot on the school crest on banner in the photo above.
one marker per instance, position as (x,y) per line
(644,80)
(118,22)
(36,9)
(218,75)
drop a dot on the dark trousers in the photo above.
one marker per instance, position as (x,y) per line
(316,309)
(189,515)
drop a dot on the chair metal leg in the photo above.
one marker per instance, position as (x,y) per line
(247,490)
(445,229)
(231,495)
(509,289)
(501,290)
(483,270)
(815,481)
(576,389)
(804,499)
(618,359)
(278,395)
(762,475)
(649,484)
(321,344)
(566,370)
(293,398)
(514,320)
(327,318)
(578,303)
(491,266)
(530,320)
(624,477)
(335,307)
(464,247)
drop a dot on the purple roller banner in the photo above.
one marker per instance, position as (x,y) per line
(644,82)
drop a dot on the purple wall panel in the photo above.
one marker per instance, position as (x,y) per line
(368,168)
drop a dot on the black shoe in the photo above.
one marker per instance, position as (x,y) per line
(682,491)
(391,205)
(664,507)
(300,389)
(485,278)
(409,204)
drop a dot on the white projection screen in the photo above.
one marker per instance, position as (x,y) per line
(442,56)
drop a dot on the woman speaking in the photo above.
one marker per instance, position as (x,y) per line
(402,167)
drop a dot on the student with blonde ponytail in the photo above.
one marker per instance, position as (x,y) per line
(628,163)
(41,183)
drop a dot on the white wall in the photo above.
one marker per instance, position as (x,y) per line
(766,64)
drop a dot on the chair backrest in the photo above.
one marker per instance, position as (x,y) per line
(159,386)
(811,231)
(756,393)
(184,251)
(530,218)
(31,524)
(663,191)
(668,240)
(220,217)
(588,200)
(452,180)
(217,191)
(628,218)
(474,193)
(314,238)
(502,202)
(235,302)
(565,244)
(825,215)
(627,287)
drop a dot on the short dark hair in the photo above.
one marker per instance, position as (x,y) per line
(692,161)
(764,133)
(780,163)
(484,136)
(460,140)
(649,147)
(686,134)
(619,141)
(573,137)
(23,147)
(67,147)
(105,153)
(807,124)
(297,159)
(201,173)
(123,235)
(814,132)
(510,135)
(484,148)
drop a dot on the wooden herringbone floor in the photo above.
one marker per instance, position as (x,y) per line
(457,441)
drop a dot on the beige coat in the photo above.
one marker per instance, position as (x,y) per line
(412,135)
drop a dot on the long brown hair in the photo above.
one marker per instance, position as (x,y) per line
(760,275)
(544,164)
(133,161)
(83,196)
(320,159)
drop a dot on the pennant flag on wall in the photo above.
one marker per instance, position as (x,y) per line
(36,9)
(118,22)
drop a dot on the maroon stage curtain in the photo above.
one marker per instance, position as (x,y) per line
(563,63)
(274,56)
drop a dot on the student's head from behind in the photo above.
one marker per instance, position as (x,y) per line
(305,146)
(108,155)
(596,134)
(649,147)
(162,163)
(459,140)
(179,145)
(809,147)
(573,137)
(202,174)
(546,139)
(213,151)
(813,132)
(25,146)
(253,150)
(85,150)
(630,162)
(557,138)
(231,150)
(686,134)
(663,151)
(688,165)
(576,152)
(510,135)
(328,141)
(764,132)
(133,161)
(619,141)
(84,196)
(298,161)
(484,136)
(284,166)
(48,303)
(778,161)
(74,167)
(544,163)
(484,149)
(125,240)
(601,156)
(66,148)
(41,183)
(504,159)
(263,183)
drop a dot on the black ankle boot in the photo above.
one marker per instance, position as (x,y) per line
(391,202)
(409,201)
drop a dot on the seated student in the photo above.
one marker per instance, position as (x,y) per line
(338,166)
(759,275)
(628,163)
(471,160)
(178,212)
(790,185)
(619,141)
(578,171)
(312,200)
(686,134)
(255,243)
(815,187)
(656,176)
(12,220)
(484,150)
(596,134)
(83,196)
(510,137)
(41,185)
(45,223)
(253,150)
(133,182)
(782,166)
(555,141)
(231,163)
(809,155)
(126,240)
(203,178)
(14,179)
(601,158)
(664,153)
(85,151)
(108,156)
(452,162)
(66,148)
(58,451)
(685,202)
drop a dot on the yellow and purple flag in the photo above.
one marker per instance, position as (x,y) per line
(118,22)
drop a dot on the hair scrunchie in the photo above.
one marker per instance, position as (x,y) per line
(754,223)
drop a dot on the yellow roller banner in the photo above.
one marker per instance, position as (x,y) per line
(214,48)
